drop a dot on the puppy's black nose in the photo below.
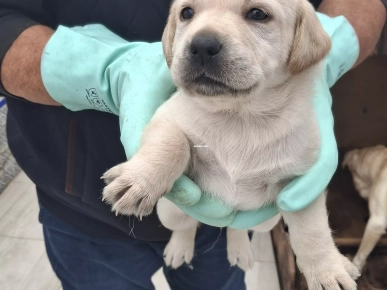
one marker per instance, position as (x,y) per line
(204,48)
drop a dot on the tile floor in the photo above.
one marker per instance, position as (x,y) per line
(24,264)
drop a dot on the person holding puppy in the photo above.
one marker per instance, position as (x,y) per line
(65,137)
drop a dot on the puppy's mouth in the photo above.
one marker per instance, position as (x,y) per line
(204,80)
(206,85)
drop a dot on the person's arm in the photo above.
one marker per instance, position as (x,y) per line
(20,70)
(23,37)
(366,17)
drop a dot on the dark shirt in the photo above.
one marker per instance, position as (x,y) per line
(63,152)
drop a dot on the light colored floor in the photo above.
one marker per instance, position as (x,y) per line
(24,264)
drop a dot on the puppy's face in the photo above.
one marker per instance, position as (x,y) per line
(232,47)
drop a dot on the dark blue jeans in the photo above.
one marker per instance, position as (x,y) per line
(85,262)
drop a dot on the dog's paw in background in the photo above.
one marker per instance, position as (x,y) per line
(134,187)
(359,261)
(330,273)
(239,251)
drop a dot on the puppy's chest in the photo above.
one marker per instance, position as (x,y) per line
(243,160)
(238,155)
(239,164)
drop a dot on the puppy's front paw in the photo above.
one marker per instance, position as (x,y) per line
(134,187)
(240,253)
(330,273)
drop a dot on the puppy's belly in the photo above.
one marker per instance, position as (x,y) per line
(247,190)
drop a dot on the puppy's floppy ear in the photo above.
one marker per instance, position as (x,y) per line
(311,43)
(169,34)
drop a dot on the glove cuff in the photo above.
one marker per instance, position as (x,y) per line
(80,65)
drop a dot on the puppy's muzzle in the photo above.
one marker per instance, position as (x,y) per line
(204,48)
(208,64)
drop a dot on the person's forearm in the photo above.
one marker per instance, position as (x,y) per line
(20,70)
(367,18)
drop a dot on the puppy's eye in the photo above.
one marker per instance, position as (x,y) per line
(187,13)
(256,14)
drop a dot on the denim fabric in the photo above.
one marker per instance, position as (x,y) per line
(85,262)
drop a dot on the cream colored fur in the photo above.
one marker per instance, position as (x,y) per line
(241,147)
(369,171)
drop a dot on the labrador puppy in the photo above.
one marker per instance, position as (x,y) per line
(241,125)
(369,172)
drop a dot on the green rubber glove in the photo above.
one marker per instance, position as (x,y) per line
(341,58)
